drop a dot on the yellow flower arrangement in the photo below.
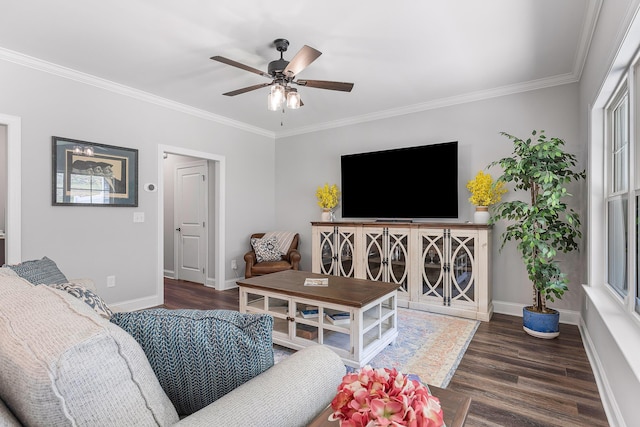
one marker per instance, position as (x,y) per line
(483,190)
(328,196)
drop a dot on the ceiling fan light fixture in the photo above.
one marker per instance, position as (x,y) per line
(272,105)
(293,99)
(278,92)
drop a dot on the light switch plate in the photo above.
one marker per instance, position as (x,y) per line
(138,217)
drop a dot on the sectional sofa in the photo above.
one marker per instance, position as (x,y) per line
(63,361)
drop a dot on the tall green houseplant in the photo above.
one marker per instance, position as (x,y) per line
(545,224)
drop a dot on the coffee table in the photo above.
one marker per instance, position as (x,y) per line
(370,308)
(455,407)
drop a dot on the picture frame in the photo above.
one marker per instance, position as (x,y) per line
(91,174)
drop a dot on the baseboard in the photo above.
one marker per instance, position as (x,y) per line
(227,284)
(230,284)
(604,387)
(569,317)
(136,304)
(209,282)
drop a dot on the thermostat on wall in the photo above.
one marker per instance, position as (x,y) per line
(150,188)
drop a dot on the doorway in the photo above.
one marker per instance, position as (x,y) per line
(190,219)
(12,129)
(215,260)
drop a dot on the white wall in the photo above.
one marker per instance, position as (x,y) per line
(99,241)
(611,334)
(305,161)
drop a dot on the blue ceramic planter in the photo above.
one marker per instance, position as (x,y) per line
(541,325)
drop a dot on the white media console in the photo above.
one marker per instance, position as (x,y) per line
(440,267)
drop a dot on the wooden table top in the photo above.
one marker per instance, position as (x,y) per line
(455,407)
(341,290)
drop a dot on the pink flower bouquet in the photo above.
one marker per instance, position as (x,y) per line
(384,397)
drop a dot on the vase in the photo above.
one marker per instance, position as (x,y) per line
(541,325)
(326,215)
(481,215)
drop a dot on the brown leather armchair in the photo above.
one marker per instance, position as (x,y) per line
(289,261)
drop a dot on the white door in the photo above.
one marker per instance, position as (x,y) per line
(190,217)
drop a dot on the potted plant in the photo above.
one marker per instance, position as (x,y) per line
(484,193)
(542,226)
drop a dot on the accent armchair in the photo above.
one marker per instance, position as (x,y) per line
(286,258)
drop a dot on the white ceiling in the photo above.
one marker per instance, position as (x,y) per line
(403,56)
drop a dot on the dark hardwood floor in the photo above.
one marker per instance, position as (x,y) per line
(513,379)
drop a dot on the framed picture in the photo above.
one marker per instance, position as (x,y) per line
(90,174)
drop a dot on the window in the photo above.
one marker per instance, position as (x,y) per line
(617,194)
(622,192)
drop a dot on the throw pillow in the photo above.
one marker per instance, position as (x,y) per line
(40,271)
(200,355)
(86,295)
(266,249)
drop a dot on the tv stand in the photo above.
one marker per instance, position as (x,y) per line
(439,267)
(394,220)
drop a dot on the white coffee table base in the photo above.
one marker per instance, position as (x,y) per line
(369,330)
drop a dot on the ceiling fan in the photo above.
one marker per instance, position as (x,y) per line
(283,74)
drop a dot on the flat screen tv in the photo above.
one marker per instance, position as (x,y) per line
(401,184)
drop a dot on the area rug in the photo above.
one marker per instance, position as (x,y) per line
(429,345)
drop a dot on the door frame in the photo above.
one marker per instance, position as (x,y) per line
(176,243)
(219,212)
(14,188)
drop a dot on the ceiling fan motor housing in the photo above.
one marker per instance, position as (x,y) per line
(277,67)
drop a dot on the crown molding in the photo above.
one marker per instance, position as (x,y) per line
(438,103)
(586,36)
(68,73)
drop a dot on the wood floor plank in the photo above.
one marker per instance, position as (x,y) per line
(514,380)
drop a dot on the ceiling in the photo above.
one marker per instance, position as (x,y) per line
(403,56)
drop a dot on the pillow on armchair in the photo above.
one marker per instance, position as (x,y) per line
(200,355)
(266,249)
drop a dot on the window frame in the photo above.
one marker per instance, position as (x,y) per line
(628,292)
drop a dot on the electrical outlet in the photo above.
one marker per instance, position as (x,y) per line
(111,281)
(234,264)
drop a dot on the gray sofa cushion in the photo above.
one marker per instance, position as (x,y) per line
(39,271)
(63,364)
(290,394)
(199,356)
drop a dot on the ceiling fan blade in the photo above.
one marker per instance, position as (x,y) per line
(239,65)
(324,84)
(301,60)
(247,89)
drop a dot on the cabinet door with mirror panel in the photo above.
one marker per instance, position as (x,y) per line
(387,256)
(432,272)
(337,246)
